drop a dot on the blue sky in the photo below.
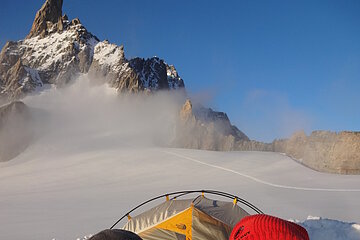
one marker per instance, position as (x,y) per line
(273,66)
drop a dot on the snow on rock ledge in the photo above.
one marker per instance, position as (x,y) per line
(54,59)
(133,75)
(58,50)
(108,54)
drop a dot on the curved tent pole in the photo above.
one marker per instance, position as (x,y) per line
(182,193)
(228,195)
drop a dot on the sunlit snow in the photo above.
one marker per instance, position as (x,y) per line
(97,155)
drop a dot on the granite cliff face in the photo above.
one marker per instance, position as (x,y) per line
(204,128)
(15,131)
(57,50)
(48,18)
(324,150)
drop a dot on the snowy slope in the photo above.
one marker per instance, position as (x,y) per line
(76,193)
(94,161)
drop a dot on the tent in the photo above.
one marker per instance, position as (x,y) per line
(196,218)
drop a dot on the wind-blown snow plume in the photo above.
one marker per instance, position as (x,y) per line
(95,116)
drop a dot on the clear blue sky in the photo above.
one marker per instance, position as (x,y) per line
(272,66)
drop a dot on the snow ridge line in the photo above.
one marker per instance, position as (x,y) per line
(259,180)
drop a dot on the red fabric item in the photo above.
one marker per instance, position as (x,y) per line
(265,227)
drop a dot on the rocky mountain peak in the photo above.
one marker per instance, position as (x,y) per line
(49,15)
(58,50)
(203,128)
(186,110)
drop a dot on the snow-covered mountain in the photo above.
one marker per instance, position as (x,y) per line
(57,50)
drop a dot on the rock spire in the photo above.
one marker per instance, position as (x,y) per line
(48,17)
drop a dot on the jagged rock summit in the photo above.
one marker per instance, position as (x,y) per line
(45,19)
(57,50)
(203,128)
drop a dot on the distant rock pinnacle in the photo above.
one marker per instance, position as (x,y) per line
(49,15)
(58,50)
(203,128)
(186,111)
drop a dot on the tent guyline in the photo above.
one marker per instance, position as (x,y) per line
(178,194)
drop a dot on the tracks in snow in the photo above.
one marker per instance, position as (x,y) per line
(259,180)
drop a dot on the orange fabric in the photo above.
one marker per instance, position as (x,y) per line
(180,223)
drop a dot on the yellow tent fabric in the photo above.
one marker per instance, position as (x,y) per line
(199,218)
(180,223)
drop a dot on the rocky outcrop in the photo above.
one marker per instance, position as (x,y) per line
(28,79)
(27,65)
(134,75)
(204,128)
(154,73)
(47,19)
(324,150)
(15,132)
(57,50)
(253,145)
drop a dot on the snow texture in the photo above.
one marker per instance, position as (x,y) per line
(319,229)
(48,51)
(173,77)
(109,55)
(151,81)
(85,171)
(31,79)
